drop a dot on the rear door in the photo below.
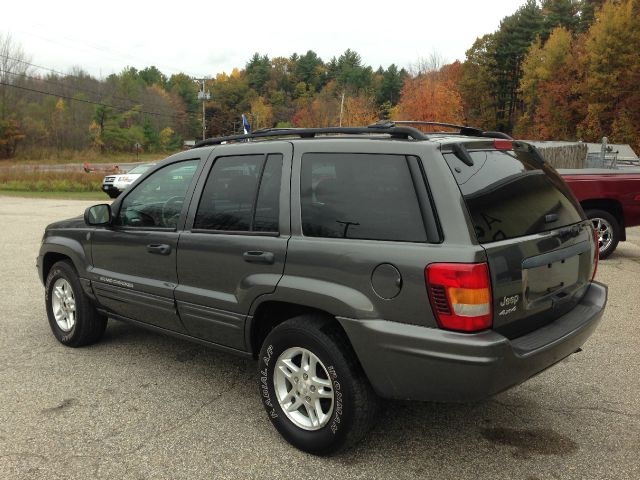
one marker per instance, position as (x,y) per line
(540,248)
(234,245)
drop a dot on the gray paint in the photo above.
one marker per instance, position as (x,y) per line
(206,291)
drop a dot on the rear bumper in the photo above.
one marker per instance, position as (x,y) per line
(412,362)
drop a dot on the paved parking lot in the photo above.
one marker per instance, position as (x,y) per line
(140,405)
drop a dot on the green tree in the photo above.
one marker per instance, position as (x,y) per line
(478,84)
(391,85)
(559,13)
(258,71)
(151,138)
(152,76)
(310,70)
(352,77)
(512,42)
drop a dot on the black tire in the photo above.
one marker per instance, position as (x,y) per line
(113,193)
(355,403)
(615,228)
(89,325)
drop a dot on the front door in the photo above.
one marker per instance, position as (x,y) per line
(235,240)
(134,260)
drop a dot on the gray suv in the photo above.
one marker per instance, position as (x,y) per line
(355,264)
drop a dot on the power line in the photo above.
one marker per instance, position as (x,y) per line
(100,94)
(61,85)
(109,51)
(66,97)
(34,65)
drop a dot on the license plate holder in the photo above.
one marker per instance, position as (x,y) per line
(546,281)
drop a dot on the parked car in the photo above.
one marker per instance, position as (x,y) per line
(114,185)
(353,263)
(610,198)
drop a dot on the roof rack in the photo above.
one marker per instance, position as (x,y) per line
(388,127)
(393,131)
(463,129)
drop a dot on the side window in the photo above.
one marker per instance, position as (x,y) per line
(242,194)
(360,196)
(157,201)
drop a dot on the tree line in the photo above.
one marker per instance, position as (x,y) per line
(555,69)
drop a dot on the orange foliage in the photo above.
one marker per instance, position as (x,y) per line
(359,111)
(433,96)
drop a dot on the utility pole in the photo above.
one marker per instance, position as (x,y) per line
(204,96)
(341,107)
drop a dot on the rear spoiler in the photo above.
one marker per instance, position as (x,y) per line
(462,149)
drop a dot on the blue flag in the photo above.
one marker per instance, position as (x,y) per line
(245,125)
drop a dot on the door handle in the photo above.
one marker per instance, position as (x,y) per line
(254,256)
(159,248)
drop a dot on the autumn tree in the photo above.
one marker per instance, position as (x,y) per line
(612,64)
(433,96)
(549,90)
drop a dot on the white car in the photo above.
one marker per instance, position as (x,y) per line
(114,185)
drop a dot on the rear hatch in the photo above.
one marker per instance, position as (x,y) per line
(540,248)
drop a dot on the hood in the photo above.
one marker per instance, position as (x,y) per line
(75,222)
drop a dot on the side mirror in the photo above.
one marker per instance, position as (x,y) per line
(98,215)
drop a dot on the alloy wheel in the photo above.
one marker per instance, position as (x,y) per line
(303,388)
(63,304)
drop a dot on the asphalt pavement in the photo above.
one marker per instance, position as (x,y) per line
(139,405)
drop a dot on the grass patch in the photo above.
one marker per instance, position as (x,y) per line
(36,180)
(46,156)
(58,195)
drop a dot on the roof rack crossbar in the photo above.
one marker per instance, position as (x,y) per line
(464,129)
(393,131)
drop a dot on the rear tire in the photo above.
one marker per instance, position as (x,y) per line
(73,319)
(336,388)
(610,231)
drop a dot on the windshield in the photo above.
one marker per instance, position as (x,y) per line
(511,194)
(140,169)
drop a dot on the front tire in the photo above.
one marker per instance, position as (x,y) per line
(73,319)
(313,387)
(609,231)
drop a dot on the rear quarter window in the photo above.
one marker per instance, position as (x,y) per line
(511,194)
(359,196)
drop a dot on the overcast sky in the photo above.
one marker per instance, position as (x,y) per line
(205,38)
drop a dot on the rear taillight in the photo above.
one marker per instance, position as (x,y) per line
(596,238)
(460,295)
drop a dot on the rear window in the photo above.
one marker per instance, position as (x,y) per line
(511,194)
(359,196)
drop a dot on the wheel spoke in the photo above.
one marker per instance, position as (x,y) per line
(324,393)
(288,368)
(319,413)
(293,406)
(304,361)
(321,382)
(59,293)
(312,414)
(313,364)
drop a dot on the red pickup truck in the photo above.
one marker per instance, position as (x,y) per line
(611,198)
